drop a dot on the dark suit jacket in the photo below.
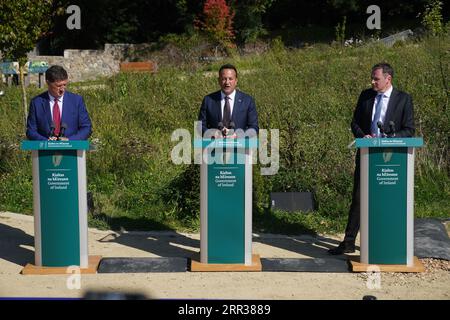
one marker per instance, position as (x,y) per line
(74,114)
(244,113)
(400,110)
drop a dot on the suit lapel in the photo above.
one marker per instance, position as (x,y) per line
(369,108)
(237,105)
(65,108)
(46,106)
(391,106)
(217,106)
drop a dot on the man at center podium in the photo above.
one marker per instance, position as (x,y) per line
(58,114)
(228,109)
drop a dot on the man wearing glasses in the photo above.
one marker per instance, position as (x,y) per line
(58,114)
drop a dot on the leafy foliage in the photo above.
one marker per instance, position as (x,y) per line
(432,17)
(22,24)
(340,31)
(217,22)
(309,95)
(249,24)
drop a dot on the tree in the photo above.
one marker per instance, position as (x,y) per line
(248,23)
(432,17)
(22,24)
(120,21)
(217,22)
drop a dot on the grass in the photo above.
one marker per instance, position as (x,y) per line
(308,94)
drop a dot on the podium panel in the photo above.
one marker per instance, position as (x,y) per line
(387,205)
(59,202)
(58,197)
(387,200)
(226,213)
(226,201)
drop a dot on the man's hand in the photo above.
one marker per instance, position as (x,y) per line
(217,135)
(225,132)
(229,133)
(56,138)
(368,136)
(231,136)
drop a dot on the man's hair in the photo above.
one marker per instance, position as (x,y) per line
(56,73)
(387,69)
(228,66)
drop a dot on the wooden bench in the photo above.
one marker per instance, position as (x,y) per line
(145,66)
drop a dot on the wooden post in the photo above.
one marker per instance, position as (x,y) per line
(41,80)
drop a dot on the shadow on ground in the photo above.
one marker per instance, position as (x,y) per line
(12,242)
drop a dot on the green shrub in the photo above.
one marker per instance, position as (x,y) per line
(432,17)
(309,95)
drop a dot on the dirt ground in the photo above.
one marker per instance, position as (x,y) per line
(16,249)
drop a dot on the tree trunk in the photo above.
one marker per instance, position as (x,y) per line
(24,93)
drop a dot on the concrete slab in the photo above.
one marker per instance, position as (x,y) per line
(431,239)
(140,265)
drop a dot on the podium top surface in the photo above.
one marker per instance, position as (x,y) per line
(55,145)
(388,142)
(226,143)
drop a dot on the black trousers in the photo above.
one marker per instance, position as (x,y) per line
(351,231)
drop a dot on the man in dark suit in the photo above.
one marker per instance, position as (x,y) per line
(382,106)
(227,107)
(57,112)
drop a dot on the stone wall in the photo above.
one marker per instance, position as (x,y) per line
(90,64)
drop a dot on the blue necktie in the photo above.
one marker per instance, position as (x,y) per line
(376,118)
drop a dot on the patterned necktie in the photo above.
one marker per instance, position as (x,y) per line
(56,117)
(226,113)
(376,117)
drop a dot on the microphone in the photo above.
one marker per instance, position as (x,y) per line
(380,126)
(220,128)
(52,129)
(231,127)
(62,131)
(392,128)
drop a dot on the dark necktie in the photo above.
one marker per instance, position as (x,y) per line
(56,117)
(226,113)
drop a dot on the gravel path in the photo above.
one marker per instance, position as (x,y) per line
(16,249)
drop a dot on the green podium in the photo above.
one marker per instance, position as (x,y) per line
(226,206)
(59,205)
(387,202)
